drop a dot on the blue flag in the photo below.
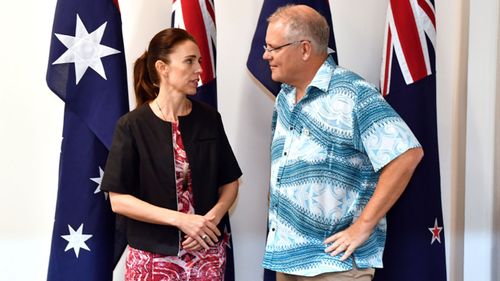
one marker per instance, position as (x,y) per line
(258,66)
(415,248)
(86,69)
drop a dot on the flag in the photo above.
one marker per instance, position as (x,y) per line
(198,18)
(258,67)
(86,69)
(415,238)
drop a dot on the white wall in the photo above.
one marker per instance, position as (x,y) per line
(480,142)
(452,52)
(31,118)
(31,130)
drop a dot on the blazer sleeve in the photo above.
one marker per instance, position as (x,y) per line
(121,171)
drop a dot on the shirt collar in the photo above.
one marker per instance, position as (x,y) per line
(320,81)
(322,78)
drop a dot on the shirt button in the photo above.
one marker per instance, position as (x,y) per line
(285,153)
(273,229)
(278,179)
(291,128)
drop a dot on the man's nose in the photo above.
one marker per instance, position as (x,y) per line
(266,55)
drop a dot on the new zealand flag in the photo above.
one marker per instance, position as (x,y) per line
(86,69)
(415,239)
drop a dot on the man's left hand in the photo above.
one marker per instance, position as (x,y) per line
(347,240)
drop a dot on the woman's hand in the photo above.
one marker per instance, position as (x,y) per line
(201,231)
(227,195)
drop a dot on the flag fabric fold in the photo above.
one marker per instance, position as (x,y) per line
(86,69)
(415,237)
(257,66)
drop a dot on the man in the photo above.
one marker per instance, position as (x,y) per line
(341,157)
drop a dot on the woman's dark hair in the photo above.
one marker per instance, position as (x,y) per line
(145,76)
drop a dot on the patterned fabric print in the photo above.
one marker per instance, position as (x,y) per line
(202,265)
(182,173)
(326,154)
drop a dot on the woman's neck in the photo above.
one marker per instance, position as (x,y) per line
(170,106)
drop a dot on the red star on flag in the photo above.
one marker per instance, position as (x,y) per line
(436,232)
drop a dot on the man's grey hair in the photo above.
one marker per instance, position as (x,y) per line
(303,26)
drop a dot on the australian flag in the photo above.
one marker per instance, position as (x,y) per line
(198,18)
(258,67)
(86,69)
(415,238)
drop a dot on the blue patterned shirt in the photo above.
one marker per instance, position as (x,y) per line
(326,154)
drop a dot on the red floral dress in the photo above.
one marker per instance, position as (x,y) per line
(201,265)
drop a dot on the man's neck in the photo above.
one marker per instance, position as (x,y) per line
(309,73)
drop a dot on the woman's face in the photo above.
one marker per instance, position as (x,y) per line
(182,73)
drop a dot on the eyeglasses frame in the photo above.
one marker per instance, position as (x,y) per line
(275,49)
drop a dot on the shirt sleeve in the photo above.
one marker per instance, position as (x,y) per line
(228,170)
(121,171)
(273,121)
(379,131)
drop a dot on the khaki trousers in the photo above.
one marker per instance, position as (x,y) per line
(351,275)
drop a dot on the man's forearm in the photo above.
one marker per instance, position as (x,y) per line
(392,182)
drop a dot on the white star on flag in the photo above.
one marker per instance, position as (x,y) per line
(436,232)
(85,50)
(76,239)
(98,181)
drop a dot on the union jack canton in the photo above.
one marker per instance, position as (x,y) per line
(198,18)
(408,23)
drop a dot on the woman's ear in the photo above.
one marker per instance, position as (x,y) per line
(161,67)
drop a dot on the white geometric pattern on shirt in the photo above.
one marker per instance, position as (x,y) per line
(325,152)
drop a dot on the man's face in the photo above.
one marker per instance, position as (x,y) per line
(283,56)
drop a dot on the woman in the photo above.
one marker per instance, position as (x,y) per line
(171,171)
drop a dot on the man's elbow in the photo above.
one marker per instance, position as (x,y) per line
(415,155)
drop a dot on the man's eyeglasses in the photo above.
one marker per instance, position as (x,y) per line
(270,50)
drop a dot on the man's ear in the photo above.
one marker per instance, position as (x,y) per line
(306,49)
